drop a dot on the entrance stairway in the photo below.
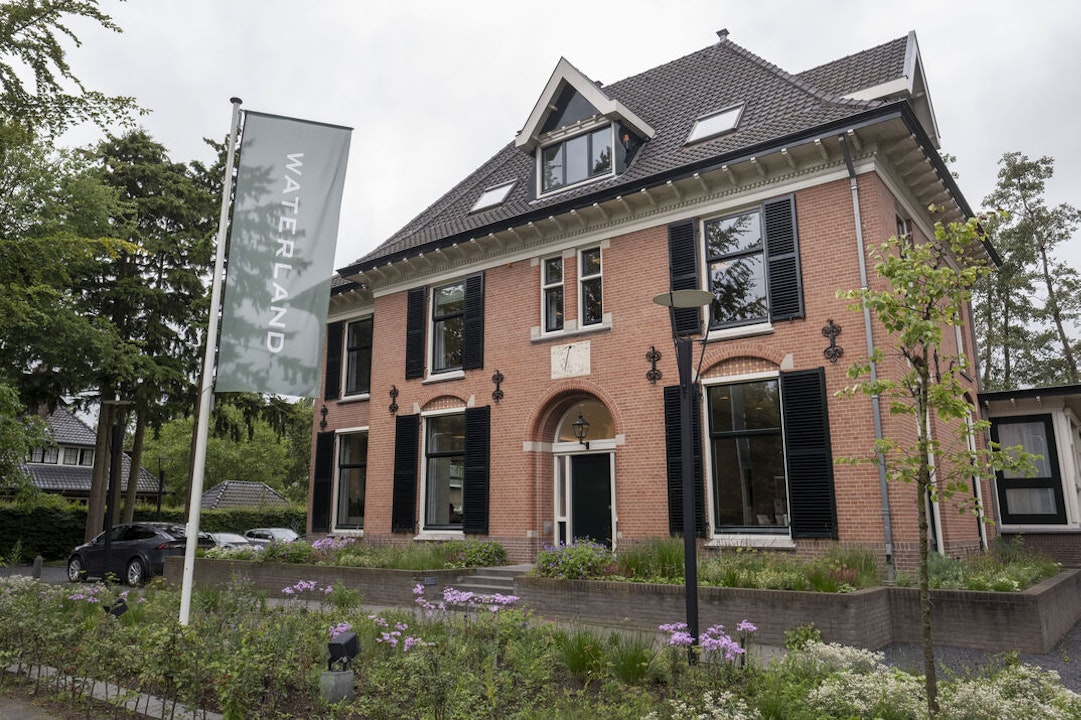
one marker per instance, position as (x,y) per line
(492,580)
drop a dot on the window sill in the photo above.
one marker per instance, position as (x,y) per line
(443,377)
(1050,528)
(439,535)
(347,532)
(739,332)
(536,336)
(363,397)
(778,542)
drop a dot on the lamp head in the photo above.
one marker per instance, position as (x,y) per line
(343,648)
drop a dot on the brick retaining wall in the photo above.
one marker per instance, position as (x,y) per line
(1030,621)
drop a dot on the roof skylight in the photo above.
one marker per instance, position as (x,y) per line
(493,196)
(715,124)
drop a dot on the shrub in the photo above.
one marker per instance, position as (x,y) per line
(582,654)
(653,560)
(578,560)
(471,553)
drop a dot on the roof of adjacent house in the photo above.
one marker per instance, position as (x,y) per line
(240,493)
(779,107)
(76,479)
(68,429)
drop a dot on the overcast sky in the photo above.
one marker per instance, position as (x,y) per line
(433,88)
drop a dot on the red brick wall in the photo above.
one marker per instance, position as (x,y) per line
(635,269)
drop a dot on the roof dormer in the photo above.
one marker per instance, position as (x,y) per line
(575,133)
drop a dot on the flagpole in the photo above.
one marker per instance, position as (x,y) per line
(206,390)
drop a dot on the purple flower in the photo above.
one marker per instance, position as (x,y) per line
(746,627)
(339,629)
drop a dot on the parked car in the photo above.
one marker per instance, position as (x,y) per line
(230,540)
(265,536)
(137,551)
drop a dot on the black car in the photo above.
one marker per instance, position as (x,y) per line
(137,551)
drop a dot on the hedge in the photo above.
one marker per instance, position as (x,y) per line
(53,529)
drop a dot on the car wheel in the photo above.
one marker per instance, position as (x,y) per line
(135,573)
(76,572)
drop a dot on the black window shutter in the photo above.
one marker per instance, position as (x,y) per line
(403,510)
(809,455)
(782,249)
(415,323)
(674,455)
(473,330)
(323,479)
(475,487)
(332,387)
(683,273)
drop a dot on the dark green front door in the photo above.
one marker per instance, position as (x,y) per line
(591,497)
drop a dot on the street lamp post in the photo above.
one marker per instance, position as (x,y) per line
(688,385)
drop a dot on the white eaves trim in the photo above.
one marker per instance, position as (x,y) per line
(528,138)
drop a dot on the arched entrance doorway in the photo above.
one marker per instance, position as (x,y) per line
(585,488)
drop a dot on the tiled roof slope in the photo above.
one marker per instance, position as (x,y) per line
(75,479)
(70,430)
(864,69)
(669,98)
(239,493)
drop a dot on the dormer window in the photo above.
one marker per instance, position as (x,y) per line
(587,156)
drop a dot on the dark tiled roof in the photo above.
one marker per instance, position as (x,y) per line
(238,493)
(861,70)
(70,430)
(669,98)
(75,479)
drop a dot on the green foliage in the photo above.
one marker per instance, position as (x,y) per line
(423,556)
(653,560)
(578,560)
(20,433)
(50,526)
(246,658)
(800,637)
(1026,313)
(33,35)
(993,571)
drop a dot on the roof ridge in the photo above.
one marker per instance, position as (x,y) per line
(796,80)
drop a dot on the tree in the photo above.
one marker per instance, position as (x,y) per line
(1028,310)
(20,432)
(55,229)
(30,45)
(154,295)
(241,451)
(929,284)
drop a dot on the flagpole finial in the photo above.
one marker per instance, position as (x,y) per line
(235,100)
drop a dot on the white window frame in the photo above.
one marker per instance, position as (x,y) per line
(429,532)
(585,130)
(345,359)
(781,539)
(716,123)
(358,532)
(454,370)
(583,279)
(546,287)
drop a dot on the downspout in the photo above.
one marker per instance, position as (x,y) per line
(876,406)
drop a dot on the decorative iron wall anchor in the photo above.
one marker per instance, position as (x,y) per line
(497,394)
(653,374)
(834,351)
(393,399)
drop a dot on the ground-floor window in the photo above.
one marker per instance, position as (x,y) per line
(1035,499)
(352,480)
(444,450)
(750,492)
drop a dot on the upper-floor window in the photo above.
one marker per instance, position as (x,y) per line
(590,287)
(444,328)
(86,457)
(737,269)
(45,455)
(358,357)
(576,159)
(448,324)
(552,289)
(71,456)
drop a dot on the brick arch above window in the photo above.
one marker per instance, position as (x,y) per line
(444,402)
(720,354)
(744,365)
